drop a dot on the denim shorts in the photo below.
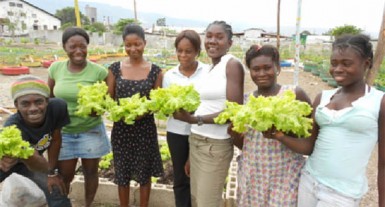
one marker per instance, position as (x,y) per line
(91,144)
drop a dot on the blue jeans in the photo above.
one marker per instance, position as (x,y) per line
(54,199)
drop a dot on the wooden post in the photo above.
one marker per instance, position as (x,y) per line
(379,53)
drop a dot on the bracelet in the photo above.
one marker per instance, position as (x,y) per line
(53,173)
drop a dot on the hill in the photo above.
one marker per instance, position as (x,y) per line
(115,13)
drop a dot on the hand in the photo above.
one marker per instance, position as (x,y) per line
(187,168)
(6,163)
(231,132)
(58,182)
(183,115)
(273,134)
(94,114)
(141,116)
(237,137)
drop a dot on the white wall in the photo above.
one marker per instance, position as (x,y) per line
(24,13)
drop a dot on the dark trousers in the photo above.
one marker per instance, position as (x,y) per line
(54,199)
(179,150)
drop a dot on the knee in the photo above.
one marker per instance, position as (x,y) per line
(89,173)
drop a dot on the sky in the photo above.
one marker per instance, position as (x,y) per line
(365,14)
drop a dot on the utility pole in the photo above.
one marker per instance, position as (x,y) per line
(297,42)
(136,16)
(379,53)
(278,23)
(77,14)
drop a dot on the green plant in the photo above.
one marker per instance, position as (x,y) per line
(8,42)
(346,29)
(24,40)
(13,145)
(36,41)
(164,152)
(105,161)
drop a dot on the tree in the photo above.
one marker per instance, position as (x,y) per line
(119,26)
(346,29)
(161,22)
(67,15)
(96,27)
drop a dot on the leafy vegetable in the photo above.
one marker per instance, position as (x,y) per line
(165,152)
(93,99)
(165,101)
(12,144)
(128,109)
(105,161)
(285,113)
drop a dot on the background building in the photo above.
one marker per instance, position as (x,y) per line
(18,17)
(91,13)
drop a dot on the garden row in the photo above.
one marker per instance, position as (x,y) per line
(322,71)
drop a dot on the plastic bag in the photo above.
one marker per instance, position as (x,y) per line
(20,191)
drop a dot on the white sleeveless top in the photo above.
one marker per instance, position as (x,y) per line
(212,90)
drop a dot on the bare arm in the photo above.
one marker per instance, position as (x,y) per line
(158,82)
(51,84)
(304,145)
(381,155)
(54,149)
(234,92)
(36,163)
(235,81)
(111,83)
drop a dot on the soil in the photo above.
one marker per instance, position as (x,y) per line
(311,84)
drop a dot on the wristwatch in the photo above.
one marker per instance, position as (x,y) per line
(53,172)
(199,120)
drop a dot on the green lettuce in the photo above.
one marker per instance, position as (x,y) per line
(285,113)
(12,144)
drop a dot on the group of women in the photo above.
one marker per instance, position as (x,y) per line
(347,123)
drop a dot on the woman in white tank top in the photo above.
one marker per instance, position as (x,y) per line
(211,148)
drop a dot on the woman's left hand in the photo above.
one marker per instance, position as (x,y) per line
(272,133)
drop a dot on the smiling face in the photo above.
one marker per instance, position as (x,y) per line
(186,53)
(347,66)
(32,109)
(134,46)
(263,71)
(216,42)
(76,49)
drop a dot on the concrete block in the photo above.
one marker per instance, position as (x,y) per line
(161,195)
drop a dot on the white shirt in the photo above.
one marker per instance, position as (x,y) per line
(174,76)
(212,91)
